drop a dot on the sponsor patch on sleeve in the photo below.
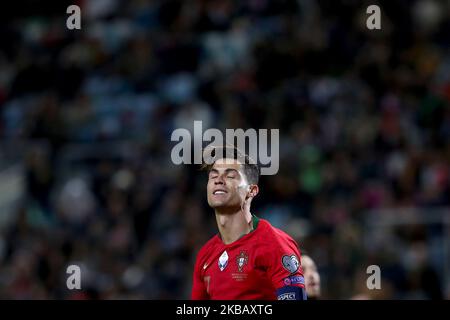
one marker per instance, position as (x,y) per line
(291,293)
(293,280)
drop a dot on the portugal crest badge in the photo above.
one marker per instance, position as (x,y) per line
(242,260)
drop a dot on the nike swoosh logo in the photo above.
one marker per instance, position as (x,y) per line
(205,266)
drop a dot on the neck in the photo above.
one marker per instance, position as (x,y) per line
(233,225)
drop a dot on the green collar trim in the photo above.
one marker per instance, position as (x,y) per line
(255,221)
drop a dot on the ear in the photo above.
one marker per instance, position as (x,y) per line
(253,190)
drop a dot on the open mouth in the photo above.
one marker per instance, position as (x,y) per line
(217,192)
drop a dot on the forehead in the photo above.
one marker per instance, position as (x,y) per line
(227,163)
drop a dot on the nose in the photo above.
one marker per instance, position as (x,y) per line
(219,180)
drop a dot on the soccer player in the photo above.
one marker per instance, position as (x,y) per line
(248,259)
(312,277)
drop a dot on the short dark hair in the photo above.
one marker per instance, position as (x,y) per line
(251,167)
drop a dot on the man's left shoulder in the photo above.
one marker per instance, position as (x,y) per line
(273,233)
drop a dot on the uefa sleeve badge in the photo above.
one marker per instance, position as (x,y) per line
(290,263)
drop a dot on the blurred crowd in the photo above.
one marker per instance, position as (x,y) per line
(86,118)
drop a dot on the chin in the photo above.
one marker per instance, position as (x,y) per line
(219,206)
(216,205)
(315,295)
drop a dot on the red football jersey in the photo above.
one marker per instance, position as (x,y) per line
(261,265)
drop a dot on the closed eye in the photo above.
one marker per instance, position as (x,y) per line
(213,174)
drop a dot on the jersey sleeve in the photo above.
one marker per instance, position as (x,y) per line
(284,269)
(199,291)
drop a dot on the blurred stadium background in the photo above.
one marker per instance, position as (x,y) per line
(86,117)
